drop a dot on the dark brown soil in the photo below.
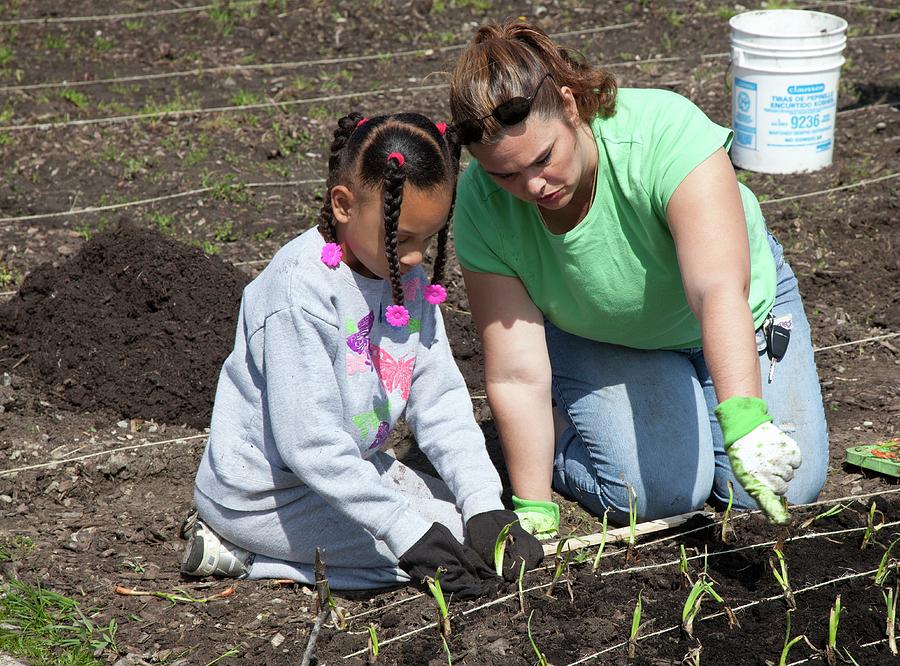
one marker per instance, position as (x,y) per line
(140,324)
(135,322)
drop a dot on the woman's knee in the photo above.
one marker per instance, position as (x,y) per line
(648,501)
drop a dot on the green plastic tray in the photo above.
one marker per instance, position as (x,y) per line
(883,457)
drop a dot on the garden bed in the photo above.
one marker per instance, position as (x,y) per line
(594,624)
(93,489)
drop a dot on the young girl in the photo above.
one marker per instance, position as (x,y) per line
(337,338)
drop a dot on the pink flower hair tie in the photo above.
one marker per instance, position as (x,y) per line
(435,294)
(332,254)
(361,122)
(397,156)
(441,127)
(397,315)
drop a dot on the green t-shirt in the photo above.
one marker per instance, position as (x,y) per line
(613,278)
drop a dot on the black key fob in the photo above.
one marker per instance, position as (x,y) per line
(778,335)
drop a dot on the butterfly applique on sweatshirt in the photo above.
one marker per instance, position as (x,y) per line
(394,372)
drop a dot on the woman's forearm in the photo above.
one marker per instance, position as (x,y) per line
(729,344)
(524,418)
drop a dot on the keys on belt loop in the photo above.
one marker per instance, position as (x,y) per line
(778,334)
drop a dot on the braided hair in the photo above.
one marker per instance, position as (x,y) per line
(385,153)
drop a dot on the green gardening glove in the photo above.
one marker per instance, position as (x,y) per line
(536,517)
(762,457)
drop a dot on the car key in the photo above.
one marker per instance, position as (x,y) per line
(778,335)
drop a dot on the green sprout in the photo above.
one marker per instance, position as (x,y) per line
(871,528)
(635,627)
(781,575)
(834,617)
(832,511)
(519,586)
(596,563)
(542,660)
(373,644)
(500,547)
(788,641)
(434,586)
(727,529)
(562,565)
(632,522)
(884,569)
(692,604)
(890,600)
(686,581)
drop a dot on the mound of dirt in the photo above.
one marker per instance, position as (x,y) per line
(135,321)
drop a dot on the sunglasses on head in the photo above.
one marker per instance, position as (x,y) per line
(508,113)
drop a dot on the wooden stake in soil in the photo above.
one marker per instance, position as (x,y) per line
(324,594)
(620,534)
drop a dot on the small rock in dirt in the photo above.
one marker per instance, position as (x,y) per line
(66,250)
(122,424)
(277,640)
(499,647)
(115,465)
(867,424)
(132,660)
(6,499)
(880,127)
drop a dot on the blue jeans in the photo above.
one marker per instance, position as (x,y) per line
(646,419)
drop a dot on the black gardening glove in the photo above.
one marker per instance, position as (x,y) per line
(482,531)
(465,575)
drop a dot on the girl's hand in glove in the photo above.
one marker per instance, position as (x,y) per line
(762,457)
(466,576)
(482,531)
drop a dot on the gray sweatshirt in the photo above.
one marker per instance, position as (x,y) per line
(315,382)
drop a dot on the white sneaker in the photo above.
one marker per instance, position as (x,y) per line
(209,554)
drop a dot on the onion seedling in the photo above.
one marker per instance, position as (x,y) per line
(373,644)
(781,575)
(635,627)
(562,564)
(632,523)
(789,642)
(602,542)
(884,569)
(890,600)
(832,511)
(834,617)
(434,586)
(521,590)
(542,660)
(500,547)
(727,529)
(692,604)
(686,581)
(871,528)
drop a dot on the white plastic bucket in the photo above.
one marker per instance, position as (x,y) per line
(785,66)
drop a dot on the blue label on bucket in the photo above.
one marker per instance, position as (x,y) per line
(744,113)
(806,90)
(801,117)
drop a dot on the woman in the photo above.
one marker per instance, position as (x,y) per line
(623,284)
